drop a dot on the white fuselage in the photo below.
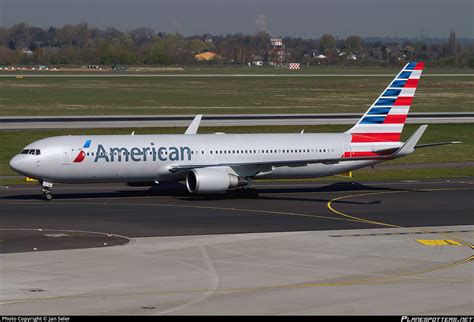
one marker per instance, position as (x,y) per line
(132,158)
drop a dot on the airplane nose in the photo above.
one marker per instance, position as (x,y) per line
(17,163)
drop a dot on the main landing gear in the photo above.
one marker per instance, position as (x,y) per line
(245,192)
(46,190)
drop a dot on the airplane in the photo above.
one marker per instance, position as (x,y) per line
(217,163)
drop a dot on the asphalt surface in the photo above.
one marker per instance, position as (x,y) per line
(136,121)
(82,216)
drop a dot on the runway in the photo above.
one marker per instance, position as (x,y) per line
(297,248)
(137,121)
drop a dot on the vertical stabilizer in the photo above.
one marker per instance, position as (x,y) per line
(384,120)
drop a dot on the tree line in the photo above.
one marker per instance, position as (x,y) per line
(82,44)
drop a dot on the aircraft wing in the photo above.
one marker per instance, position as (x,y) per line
(407,148)
(273,163)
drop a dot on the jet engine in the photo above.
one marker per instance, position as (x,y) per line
(205,180)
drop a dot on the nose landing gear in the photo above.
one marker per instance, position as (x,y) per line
(46,191)
(47,195)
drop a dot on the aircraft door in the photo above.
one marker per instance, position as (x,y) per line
(66,157)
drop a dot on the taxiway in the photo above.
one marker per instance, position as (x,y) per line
(298,248)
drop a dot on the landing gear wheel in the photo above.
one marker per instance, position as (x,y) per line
(47,195)
(246,192)
(46,190)
(254,193)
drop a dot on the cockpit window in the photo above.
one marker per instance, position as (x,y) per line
(31,151)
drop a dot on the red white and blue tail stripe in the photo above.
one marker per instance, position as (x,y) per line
(384,121)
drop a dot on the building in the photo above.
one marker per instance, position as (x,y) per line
(278,51)
(276,42)
(206,56)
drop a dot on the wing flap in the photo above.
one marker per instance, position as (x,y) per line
(275,163)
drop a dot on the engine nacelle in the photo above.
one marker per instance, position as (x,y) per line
(212,181)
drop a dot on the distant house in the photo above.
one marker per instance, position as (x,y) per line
(352,57)
(26,52)
(206,56)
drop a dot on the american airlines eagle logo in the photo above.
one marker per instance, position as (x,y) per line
(82,155)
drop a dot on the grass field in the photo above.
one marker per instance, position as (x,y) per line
(218,95)
(212,70)
(13,141)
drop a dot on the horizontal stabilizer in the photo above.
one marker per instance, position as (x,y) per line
(436,144)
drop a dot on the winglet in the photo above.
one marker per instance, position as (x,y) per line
(409,146)
(193,127)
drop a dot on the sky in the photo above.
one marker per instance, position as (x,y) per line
(297,18)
